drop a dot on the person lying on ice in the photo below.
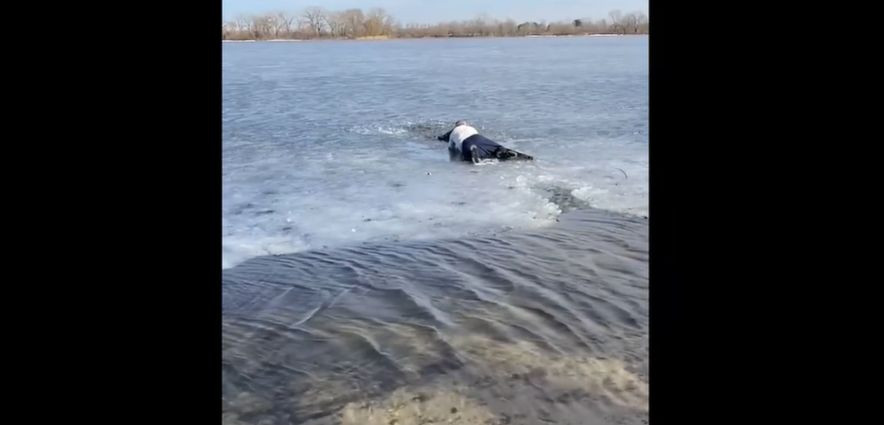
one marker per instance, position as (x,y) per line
(465,143)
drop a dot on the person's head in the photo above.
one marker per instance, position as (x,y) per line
(460,123)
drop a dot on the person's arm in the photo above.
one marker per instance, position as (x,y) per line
(445,136)
(453,154)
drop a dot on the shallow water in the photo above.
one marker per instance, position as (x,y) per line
(521,327)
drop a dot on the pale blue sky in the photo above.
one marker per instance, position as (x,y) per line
(435,11)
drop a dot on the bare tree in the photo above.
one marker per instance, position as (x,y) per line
(507,28)
(482,25)
(372,25)
(336,24)
(641,23)
(389,23)
(243,23)
(633,22)
(314,19)
(318,22)
(240,22)
(261,26)
(628,22)
(284,21)
(269,25)
(616,17)
(353,22)
(378,22)
(441,30)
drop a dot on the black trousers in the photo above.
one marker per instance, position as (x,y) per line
(488,149)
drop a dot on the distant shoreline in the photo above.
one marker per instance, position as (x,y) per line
(387,38)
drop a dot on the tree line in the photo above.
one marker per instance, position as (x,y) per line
(319,23)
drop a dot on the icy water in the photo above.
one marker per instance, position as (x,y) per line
(331,143)
(368,280)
